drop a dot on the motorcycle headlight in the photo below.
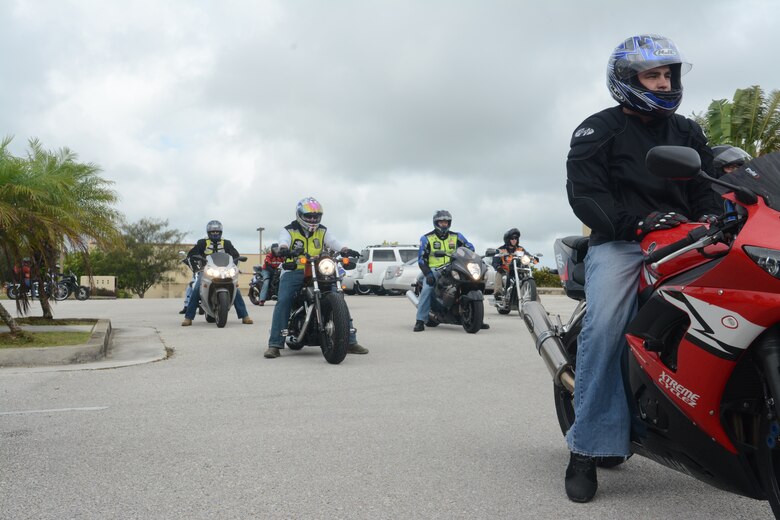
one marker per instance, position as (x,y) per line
(214,273)
(474,270)
(525,259)
(326,267)
(767,259)
(232,272)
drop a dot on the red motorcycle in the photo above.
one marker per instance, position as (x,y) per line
(704,364)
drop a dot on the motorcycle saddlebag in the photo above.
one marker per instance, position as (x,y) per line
(570,258)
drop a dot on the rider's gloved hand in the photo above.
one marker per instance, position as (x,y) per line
(349,252)
(658,220)
(430,279)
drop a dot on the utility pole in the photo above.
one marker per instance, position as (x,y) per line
(260,230)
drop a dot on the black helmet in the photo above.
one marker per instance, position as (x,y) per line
(442,231)
(214,230)
(275,249)
(512,233)
(727,155)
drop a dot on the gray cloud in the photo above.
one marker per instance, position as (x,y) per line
(385,111)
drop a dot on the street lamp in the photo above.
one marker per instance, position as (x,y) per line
(260,230)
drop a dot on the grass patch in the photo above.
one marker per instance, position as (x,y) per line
(43,339)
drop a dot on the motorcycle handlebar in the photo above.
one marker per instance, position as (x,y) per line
(694,235)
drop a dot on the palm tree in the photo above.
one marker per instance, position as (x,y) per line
(50,202)
(750,121)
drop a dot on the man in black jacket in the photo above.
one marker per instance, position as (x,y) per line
(206,246)
(613,193)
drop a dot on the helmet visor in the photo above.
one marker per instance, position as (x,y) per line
(641,53)
(312,218)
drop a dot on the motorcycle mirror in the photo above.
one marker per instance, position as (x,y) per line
(673,162)
(490,252)
(242,259)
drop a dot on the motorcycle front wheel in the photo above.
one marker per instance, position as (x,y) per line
(82,293)
(335,318)
(528,291)
(61,291)
(12,292)
(223,305)
(768,458)
(254,295)
(472,315)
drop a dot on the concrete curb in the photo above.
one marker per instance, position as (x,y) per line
(550,290)
(92,350)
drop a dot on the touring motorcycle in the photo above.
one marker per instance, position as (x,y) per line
(319,315)
(703,372)
(458,296)
(520,285)
(218,284)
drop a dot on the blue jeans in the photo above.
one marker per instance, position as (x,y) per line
(602,426)
(289,284)
(192,305)
(266,275)
(424,302)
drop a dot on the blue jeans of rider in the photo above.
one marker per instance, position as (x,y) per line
(192,305)
(289,284)
(602,425)
(424,302)
(266,274)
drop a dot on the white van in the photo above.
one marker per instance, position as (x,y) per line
(374,261)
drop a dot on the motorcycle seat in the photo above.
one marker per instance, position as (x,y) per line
(579,244)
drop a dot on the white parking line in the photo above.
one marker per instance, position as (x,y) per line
(56,410)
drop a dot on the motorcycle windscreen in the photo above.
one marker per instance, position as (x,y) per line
(761,175)
(221,259)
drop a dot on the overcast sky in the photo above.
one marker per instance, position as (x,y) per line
(385,111)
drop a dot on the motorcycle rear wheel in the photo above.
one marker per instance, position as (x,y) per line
(335,317)
(472,315)
(564,400)
(82,293)
(12,292)
(254,295)
(223,305)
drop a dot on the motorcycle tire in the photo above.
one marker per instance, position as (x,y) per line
(223,306)
(768,454)
(528,292)
(82,293)
(12,292)
(254,295)
(564,400)
(472,316)
(61,291)
(359,289)
(335,338)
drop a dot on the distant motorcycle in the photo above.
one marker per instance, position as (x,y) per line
(459,291)
(520,286)
(256,285)
(319,314)
(68,285)
(218,284)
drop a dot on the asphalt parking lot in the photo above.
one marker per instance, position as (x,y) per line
(439,424)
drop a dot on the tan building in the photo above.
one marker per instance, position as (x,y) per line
(183,275)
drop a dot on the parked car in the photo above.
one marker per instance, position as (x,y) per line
(373,263)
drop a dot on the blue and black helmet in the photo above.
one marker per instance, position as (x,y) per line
(638,54)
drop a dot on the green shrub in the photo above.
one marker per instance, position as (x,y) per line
(546,278)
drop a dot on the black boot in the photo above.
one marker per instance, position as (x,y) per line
(581,483)
(419,326)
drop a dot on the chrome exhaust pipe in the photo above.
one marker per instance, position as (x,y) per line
(548,344)
(412,297)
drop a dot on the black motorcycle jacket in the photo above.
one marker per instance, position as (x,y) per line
(200,249)
(608,184)
(497,261)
